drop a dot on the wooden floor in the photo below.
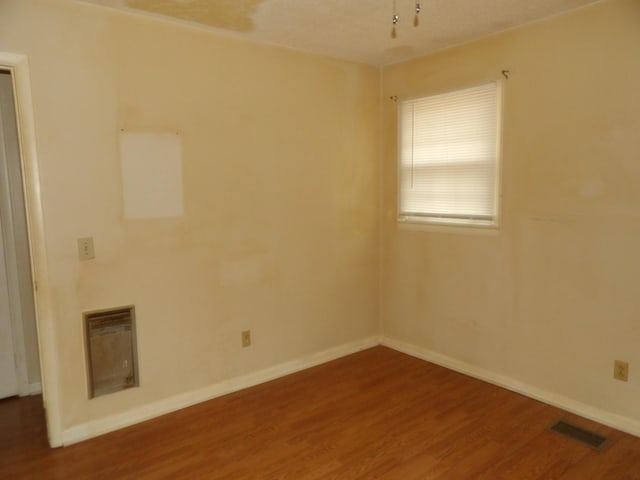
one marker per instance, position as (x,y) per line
(377,414)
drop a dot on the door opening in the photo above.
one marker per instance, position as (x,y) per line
(19,356)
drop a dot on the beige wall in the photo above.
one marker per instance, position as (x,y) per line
(280,155)
(551,299)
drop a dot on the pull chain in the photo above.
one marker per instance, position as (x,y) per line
(395,20)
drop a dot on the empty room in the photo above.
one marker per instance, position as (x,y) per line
(343,239)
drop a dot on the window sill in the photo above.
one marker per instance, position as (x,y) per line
(410,224)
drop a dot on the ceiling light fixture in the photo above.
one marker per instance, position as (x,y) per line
(395,18)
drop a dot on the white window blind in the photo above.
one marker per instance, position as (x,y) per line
(448,159)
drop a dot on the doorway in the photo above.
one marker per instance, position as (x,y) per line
(26,158)
(19,358)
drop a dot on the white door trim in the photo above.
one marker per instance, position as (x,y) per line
(49,365)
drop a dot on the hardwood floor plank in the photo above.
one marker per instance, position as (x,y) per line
(377,414)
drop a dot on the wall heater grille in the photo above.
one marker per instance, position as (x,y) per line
(112,359)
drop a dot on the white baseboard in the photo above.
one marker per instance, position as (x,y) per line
(28,389)
(35,388)
(95,428)
(605,417)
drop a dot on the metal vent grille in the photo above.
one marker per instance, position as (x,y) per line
(111,350)
(581,435)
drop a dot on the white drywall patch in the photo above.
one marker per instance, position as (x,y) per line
(151,174)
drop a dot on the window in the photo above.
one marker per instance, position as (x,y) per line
(449,148)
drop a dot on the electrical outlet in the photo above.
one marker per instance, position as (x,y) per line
(621,370)
(246,338)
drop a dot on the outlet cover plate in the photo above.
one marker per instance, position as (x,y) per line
(621,370)
(246,338)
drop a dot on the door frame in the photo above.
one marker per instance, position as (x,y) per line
(18,65)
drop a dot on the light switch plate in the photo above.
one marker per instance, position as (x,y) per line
(85,248)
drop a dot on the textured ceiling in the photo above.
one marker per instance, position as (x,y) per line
(357,30)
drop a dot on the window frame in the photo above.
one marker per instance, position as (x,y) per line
(454,222)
